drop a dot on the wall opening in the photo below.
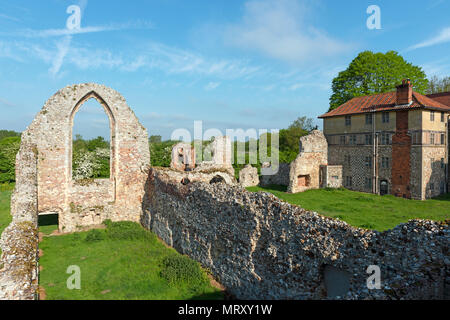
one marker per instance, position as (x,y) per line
(303,180)
(92,140)
(48,222)
(217,179)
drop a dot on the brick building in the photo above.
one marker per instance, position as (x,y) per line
(392,143)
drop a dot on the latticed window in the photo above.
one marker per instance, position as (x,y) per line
(368,183)
(353,139)
(432,138)
(368,162)
(385,162)
(368,139)
(442,117)
(368,118)
(431,115)
(342,140)
(348,120)
(442,138)
(385,117)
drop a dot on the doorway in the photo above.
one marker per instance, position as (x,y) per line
(383,187)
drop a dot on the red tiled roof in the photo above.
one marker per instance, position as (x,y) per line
(443,97)
(383,102)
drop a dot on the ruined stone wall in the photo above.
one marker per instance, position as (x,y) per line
(19,241)
(304,171)
(248,176)
(44,181)
(78,204)
(260,247)
(281,177)
(331,176)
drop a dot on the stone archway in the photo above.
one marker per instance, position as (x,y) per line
(45,160)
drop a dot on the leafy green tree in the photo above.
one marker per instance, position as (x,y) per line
(8,133)
(8,149)
(437,85)
(372,73)
(155,139)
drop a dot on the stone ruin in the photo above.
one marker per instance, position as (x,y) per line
(217,170)
(304,171)
(310,170)
(256,245)
(183,157)
(248,176)
(44,182)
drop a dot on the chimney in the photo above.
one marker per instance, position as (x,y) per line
(404,92)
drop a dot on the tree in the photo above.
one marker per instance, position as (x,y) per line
(437,85)
(155,139)
(372,73)
(8,149)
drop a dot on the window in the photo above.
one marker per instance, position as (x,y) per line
(342,140)
(91,142)
(347,159)
(348,120)
(348,181)
(353,139)
(385,138)
(432,138)
(385,117)
(368,139)
(442,138)
(368,183)
(431,115)
(442,117)
(442,163)
(368,118)
(368,162)
(385,162)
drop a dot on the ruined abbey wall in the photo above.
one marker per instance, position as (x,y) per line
(80,203)
(44,181)
(260,247)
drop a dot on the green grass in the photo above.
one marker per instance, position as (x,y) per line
(363,209)
(5,197)
(124,261)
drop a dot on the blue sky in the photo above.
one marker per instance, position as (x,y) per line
(232,64)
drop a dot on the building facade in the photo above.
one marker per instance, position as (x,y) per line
(391,143)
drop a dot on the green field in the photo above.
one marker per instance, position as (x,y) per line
(122,261)
(364,210)
(5,197)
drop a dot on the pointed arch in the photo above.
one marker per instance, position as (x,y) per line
(112,126)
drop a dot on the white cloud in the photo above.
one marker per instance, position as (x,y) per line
(442,37)
(6,17)
(278,29)
(212,86)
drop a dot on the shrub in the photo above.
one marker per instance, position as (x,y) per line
(177,268)
(126,230)
(94,235)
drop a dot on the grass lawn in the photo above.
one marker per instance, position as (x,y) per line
(124,261)
(363,209)
(5,216)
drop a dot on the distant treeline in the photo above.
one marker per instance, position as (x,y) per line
(91,158)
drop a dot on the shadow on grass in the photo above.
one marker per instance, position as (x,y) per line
(275,187)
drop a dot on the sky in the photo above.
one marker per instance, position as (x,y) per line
(231,64)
